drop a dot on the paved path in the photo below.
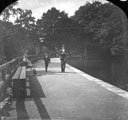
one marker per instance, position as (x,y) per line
(72,95)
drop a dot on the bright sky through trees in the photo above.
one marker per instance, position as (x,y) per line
(40,6)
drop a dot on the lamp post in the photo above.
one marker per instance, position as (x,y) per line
(41,45)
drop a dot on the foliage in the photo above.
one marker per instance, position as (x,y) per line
(9,11)
(27,22)
(55,28)
(95,26)
(102,23)
(10,36)
(18,37)
(47,26)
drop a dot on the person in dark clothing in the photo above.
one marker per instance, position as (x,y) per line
(47,61)
(63,58)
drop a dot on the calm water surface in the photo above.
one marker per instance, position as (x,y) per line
(113,71)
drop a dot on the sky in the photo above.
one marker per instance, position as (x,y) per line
(38,7)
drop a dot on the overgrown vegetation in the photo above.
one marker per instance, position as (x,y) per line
(95,26)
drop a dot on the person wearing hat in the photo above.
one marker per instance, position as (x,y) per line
(63,58)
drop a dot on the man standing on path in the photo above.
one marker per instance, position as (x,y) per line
(63,58)
(47,61)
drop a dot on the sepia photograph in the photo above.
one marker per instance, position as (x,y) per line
(63,60)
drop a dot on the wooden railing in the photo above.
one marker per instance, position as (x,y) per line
(8,69)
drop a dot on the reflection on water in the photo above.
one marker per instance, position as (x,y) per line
(111,71)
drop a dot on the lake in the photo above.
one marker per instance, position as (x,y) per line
(111,71)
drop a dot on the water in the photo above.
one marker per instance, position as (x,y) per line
(111,71)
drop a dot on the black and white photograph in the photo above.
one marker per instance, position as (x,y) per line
(63,60)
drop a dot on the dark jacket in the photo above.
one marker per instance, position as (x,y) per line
(62,55)
(47,59)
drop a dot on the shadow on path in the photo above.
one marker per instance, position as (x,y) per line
(21,111)
(36,92)
(42,110)
(52,72)
(49,72)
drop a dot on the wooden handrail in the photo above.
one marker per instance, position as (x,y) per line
(3,66)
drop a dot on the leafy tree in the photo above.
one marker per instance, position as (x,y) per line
(15,36)
(102,26)
(69,33)
(110,32)
(46,26)
(8,38)
(55,28)
(9,11)
(27,23)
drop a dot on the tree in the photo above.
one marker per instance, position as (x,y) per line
(27,22)
(5,3)
(69,33)
(87,17)
(110,32)
(9,11)
(15,35)
(10,37)
(46,26)
(102,25)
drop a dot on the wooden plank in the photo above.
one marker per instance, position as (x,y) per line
(17,73)
(23,73)
(3,66)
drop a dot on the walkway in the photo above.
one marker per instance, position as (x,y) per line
(72,95)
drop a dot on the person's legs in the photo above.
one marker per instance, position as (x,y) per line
(46,66)
(64,66)
(61,66)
